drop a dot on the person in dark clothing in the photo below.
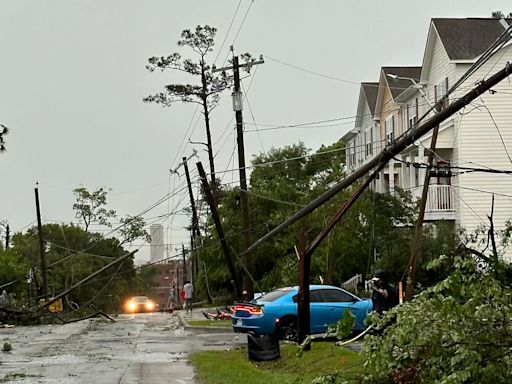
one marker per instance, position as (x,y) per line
(384,296)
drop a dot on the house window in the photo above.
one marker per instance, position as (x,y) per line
(368,142)
(351,153)
(389,130)
(441,90)
(412,114)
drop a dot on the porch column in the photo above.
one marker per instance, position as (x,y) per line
(391,167)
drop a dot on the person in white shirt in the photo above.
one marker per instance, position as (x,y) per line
(188,288)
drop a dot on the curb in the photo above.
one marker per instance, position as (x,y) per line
(202,329)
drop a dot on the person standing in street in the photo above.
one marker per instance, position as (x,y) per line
(173,298)
(384,296)
(188,289)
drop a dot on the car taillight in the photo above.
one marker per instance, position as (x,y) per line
(249,308)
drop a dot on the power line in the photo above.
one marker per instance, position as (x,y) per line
(227,33)
(243,21)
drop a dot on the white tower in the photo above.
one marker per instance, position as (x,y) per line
(156,231)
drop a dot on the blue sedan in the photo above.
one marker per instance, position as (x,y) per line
(275,313)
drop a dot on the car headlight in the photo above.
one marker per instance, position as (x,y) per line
(150,306)
(132,306)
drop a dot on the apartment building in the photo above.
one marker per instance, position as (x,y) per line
(480,136)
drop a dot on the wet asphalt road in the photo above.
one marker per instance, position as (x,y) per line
(136,349)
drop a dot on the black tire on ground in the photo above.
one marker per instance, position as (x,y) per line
(288,328)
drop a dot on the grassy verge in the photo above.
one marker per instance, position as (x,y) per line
(210,323)
(218,367)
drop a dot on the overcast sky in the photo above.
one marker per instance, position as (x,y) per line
(72,79)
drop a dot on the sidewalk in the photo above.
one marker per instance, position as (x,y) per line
(197,314)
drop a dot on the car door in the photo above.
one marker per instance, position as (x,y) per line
(335,301)
(319,311)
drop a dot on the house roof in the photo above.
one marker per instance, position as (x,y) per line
(398,86)
(370,91)
(465,39)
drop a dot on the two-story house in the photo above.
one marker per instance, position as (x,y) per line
(479,136)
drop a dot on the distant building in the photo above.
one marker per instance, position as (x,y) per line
(169,274)
(156,232)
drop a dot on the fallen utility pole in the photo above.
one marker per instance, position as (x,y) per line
(389,152)
(85,279)
(41,247)
(218,226)
(244,201)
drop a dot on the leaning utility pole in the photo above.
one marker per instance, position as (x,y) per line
(418,229)
(244,203)
(184,263)
(389,152)
(41,247)
(195,221)
(218,226)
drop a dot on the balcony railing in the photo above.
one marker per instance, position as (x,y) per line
(440,198)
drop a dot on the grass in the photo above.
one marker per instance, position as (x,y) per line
(16,376)
(210,323)
(218,367)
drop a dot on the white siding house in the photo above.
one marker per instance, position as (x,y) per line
(479,136)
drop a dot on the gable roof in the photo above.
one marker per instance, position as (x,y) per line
(370,91)
(465,39)
(397,86)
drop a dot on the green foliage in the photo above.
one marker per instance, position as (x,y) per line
(457,331)
(201,41)
(343,327)
(90,207)
(71,255)
(132,228)
(285,179)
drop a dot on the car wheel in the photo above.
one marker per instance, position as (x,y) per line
(288,329)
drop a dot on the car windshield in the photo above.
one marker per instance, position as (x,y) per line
(274,295)
(140,299)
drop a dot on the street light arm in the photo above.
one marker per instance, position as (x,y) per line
(416,85)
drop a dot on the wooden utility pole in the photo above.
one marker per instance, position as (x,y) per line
(418,229)
(218,226)
(195,233)
(244,201)
(184,263)
(303,302)
(44,288)
(195,221)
